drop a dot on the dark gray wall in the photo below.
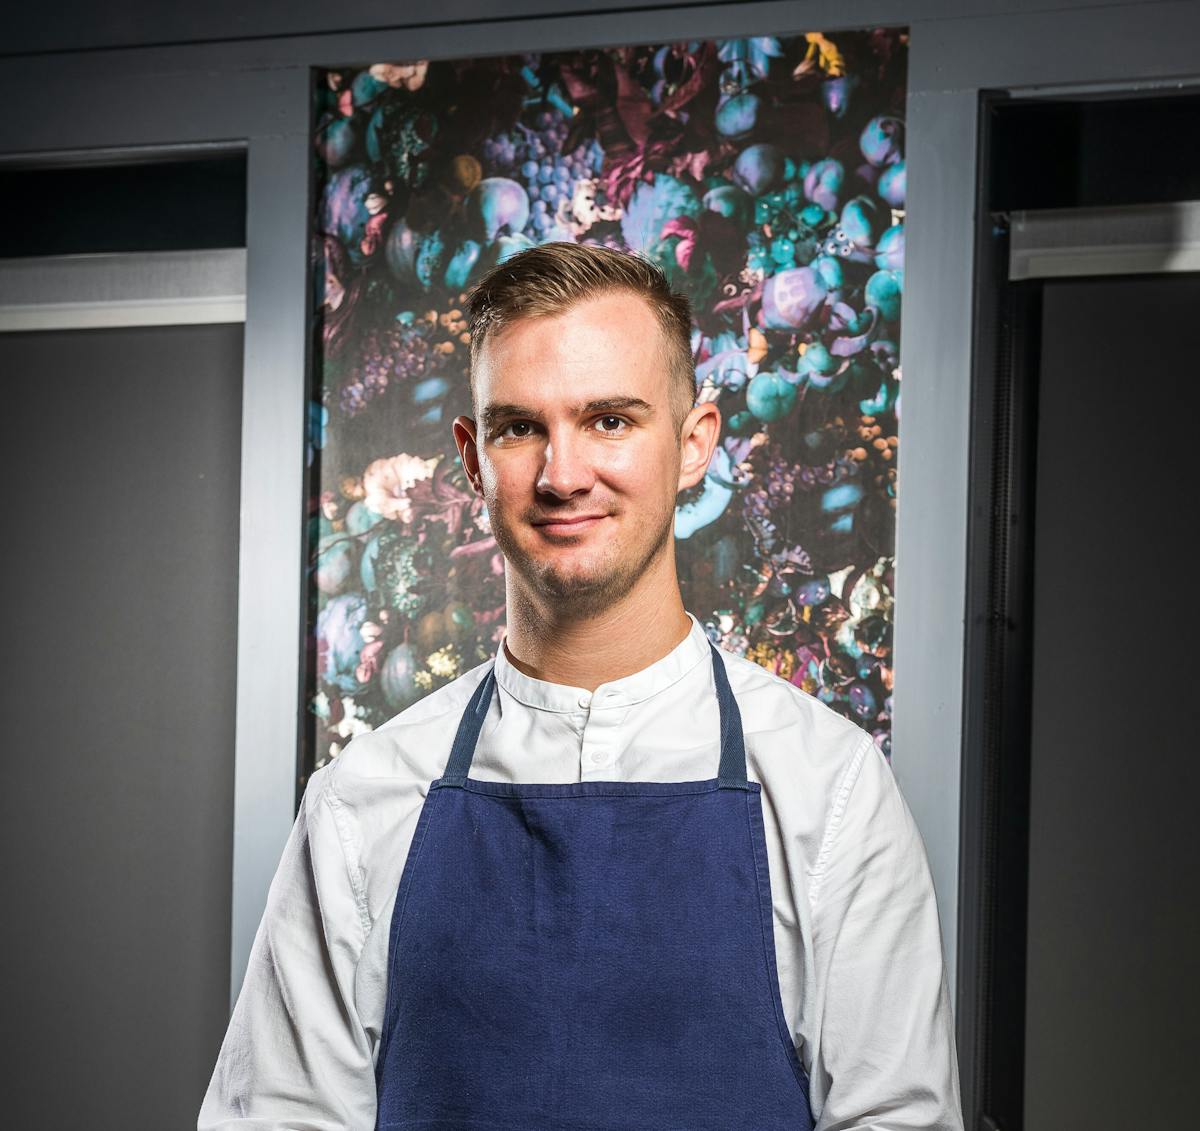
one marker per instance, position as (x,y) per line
(1114,924)
(119,452)
(76,25)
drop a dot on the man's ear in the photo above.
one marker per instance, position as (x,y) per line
(699,433)
(464,439)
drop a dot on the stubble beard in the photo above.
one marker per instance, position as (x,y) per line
(587,595)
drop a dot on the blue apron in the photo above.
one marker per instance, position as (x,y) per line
(592,956)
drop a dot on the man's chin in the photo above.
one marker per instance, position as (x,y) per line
(578,586)
(555,583)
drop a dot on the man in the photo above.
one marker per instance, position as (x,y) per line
(615,879)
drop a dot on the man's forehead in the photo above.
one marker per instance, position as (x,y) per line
(615,321)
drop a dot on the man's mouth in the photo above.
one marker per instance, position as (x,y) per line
(568,524)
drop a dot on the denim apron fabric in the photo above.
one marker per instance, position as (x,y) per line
(595,955)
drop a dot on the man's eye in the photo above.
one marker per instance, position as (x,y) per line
(507,432)
(611,423)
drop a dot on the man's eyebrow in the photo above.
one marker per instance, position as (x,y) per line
(492,413)
(615,404)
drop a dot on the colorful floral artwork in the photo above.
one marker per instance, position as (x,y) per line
(766,176)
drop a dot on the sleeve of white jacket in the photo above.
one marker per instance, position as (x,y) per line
(887,1059)
(295,1055)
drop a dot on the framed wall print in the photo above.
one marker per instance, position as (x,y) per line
(766,177)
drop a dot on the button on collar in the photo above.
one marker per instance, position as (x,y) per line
(624,692)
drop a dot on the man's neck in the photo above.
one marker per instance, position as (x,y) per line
(627,638)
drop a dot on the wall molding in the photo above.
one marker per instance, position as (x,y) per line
(161,288)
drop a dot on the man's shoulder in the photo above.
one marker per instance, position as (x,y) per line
(769,702)
(385,751)
(432,709)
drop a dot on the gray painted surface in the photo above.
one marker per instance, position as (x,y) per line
(119,452)
(1113,989)
(254,91)
(270,609)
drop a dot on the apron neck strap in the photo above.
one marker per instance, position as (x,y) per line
(730,775)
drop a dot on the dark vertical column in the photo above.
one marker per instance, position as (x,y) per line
(119,459)
(1114,923)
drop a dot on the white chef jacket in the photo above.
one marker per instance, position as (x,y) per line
(857,939)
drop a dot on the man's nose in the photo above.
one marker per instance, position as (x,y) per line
(565,470)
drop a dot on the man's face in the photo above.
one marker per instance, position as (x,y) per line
(577,452)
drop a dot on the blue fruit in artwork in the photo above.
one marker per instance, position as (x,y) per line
(791,298)
(770,396)
(824,370)
(458,270)
(861,220)
(370,555)
(374,134)
(892,184)
(889,251)
(360,518)
(882,140)
(344,212)
(401,252)
(836,92)
(336,142)
(652,205)
(843,497)
(814,591)
(335,563)
(731,202)
(396,677)
(366,88)
(863,702)
(818,359)
(508,246)
(431,257)
(886,354)
(813,215)
(497,204)
(883,292)
(737,115)
(823,183)
(429,390)
(882,399)
(783,251)
(831,273)
(758,168)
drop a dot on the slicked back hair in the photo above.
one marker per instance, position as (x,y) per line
(552,277)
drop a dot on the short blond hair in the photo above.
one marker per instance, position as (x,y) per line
(553,277)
